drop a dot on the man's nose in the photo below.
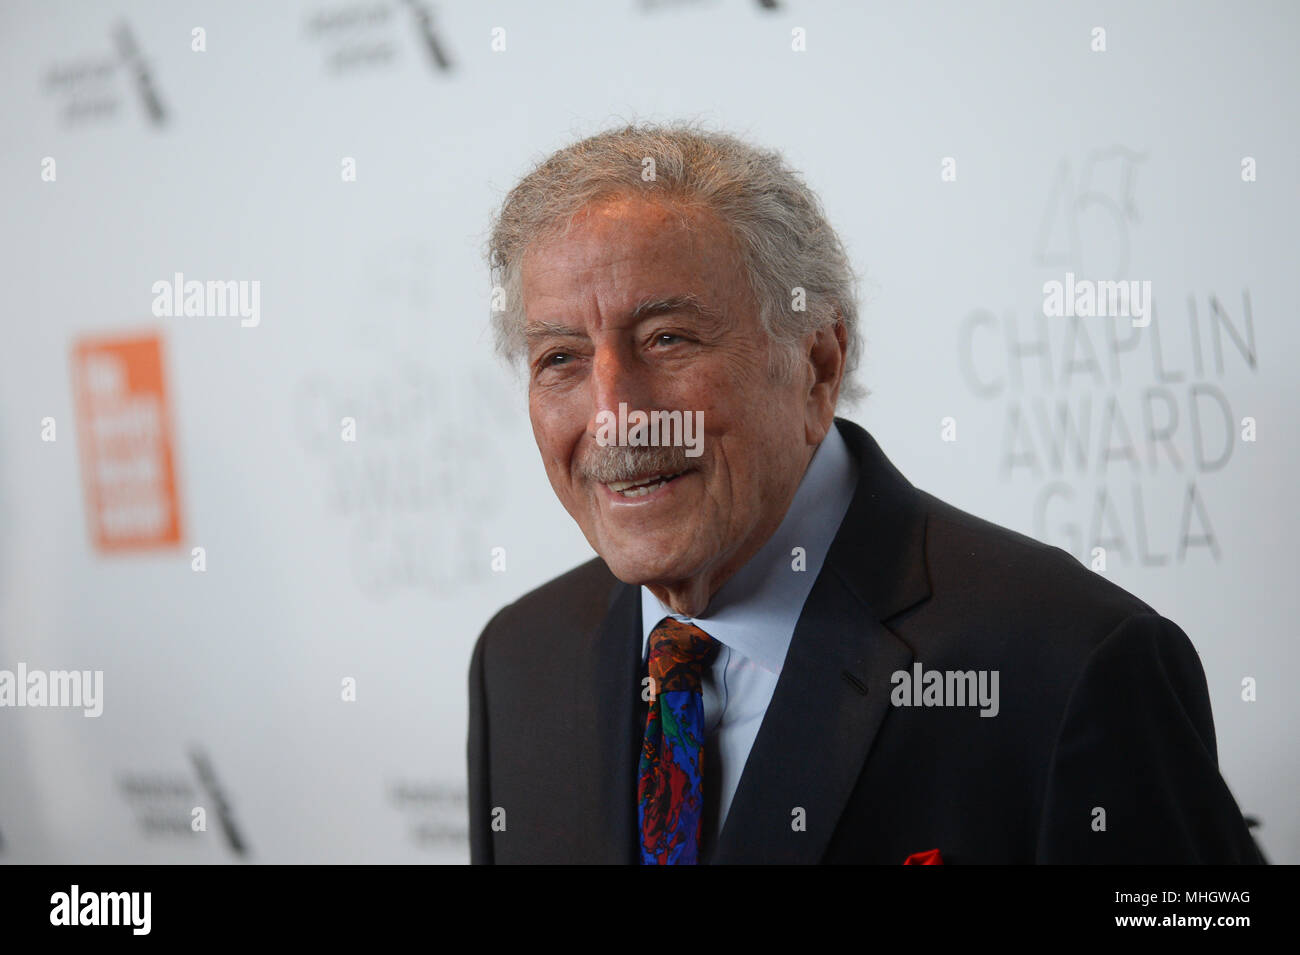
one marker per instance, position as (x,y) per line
(616,378)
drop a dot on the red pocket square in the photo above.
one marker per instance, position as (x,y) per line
(928,857)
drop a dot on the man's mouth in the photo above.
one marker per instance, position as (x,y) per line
(639,487)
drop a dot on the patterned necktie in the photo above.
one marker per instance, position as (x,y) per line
(670,776)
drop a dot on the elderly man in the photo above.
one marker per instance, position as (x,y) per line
(785,652)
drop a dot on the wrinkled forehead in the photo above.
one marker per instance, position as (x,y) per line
(624,251)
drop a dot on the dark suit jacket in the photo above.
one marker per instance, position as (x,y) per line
(1103,703)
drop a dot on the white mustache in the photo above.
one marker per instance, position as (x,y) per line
(623,463)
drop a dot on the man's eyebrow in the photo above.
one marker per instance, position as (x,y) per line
(647,308)
(535,330)
(673,303)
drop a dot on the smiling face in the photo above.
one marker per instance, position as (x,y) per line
(647,305)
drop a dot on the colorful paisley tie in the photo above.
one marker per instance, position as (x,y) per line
(670,776)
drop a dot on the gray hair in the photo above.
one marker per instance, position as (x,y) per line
(785,240)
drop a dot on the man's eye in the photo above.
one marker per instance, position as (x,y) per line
(667,335)
(555,358)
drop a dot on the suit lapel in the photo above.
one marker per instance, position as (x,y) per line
(831,698)
(833,692)
(618,695)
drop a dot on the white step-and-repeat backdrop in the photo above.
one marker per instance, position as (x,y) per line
(252,537)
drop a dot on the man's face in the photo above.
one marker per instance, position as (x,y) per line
(633,306)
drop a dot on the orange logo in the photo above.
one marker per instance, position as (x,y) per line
(126,443)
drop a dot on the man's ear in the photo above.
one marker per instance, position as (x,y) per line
(827,351)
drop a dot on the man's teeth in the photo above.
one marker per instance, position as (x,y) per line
(642,486)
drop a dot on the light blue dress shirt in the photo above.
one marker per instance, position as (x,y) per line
(753,616)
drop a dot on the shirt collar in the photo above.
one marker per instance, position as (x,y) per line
(755,612)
